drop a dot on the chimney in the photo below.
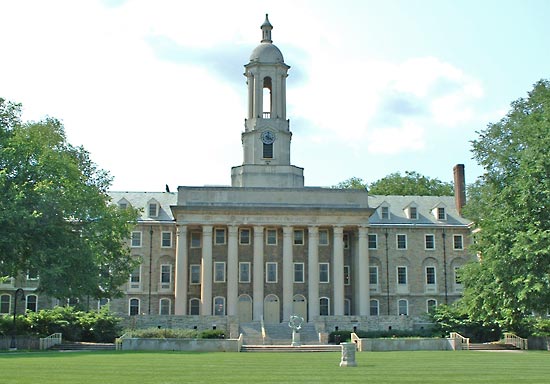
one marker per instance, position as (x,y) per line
(460,187)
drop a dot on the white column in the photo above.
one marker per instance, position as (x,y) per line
(338,271)
(363,275)
(250,79)
(288,281)
(181,274)
(258,274)
(206,271)
(232,270)
(313,272)
(258,96)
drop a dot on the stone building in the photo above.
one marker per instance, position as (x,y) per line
(267,246)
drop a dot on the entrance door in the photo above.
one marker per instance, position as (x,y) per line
(271,310)
(299,306)
(244,310)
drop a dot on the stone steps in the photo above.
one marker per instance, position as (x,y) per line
(289,348)
(492,347)
(83,346)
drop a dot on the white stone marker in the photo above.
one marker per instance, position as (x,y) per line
(348,355)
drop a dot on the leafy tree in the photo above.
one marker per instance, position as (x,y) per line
(412,184)
(351,183)
(56,218)
(510,204)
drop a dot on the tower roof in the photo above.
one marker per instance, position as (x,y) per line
(266,52)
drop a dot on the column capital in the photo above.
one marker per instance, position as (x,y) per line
(338,230)
(313,230)
(207,229)
(258,230)
(287,230)
(232,229)
(363,230)
(181,229)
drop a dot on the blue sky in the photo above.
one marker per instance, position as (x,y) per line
(155,91)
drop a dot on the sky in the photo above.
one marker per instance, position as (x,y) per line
(155,91)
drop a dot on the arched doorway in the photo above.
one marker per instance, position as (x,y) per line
(299,306)
(244,309)
(271,310)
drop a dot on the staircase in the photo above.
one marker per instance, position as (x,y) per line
(496,346)
(289,348)
(83,346)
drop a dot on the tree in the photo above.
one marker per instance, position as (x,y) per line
(351,183)
(412,184)
(56,218)
(510,205)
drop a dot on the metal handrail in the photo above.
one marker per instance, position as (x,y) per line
(50,341)
(463,340)
(515,340)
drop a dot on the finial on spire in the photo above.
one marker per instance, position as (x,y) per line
(266,31)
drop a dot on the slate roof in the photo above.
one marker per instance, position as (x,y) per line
(141,200)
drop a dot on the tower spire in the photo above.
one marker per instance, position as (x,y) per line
(266,30)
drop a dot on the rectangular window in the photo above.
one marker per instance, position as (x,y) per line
(298,237)
(458,278)
(429,241)
(270,272)
(346,240)
(244,236)
(32,274)
(164,307)
(385,212)
(430,275)
(374,307)
(153,210)
(271,238)
(457,242)
(373,275)
(373,241)
(195,239)
(195,274)
(298,272)
(135,278)
(32,303)
(323,237)
(402,275)
(244,272)
(5,303)
(136,239)
(413,213)
(166,239)
(401,241)
(441,213)
(219,272)
(219,236)
(324,273)
(165,276)
(268,151)
(403,308)
(347,275)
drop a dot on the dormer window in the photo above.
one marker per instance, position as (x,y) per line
(123,204)
(439,212)
(412,211)
(153,209)
(384,212)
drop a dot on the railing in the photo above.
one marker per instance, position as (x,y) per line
(357,340)
(118,342)
(515,340)
(266,115)
(464,341)
(264,334)
(240,341)
(50,341)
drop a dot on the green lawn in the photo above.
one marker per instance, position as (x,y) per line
(177,367)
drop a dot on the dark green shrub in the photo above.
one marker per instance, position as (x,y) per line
(212,334)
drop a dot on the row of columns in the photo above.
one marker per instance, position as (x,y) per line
(361,261)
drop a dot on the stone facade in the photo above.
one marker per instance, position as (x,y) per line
(267,247)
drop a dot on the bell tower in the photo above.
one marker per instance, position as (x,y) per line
(266,138)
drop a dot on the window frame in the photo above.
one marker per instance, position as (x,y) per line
(136,242)
(375,269)
(241,231)
(194,269)
(194,306)
(165,284)
(3,303)
(322,306)
(219,273)
(271,267)
(347,275)
(371,307)
(398,243)
(195,239)
(399,308)
(134,308)
(220,236)
(269,238)
(163,300)
(385,212)
(133,283)
(166,243)
(322,272)
(298,237)
(241,265)
(298,272)
(430,275)
(460,243)
(426,241)
(326,242)
(402,272)
(371,242)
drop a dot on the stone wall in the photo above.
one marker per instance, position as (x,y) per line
(404,344)
(188,345)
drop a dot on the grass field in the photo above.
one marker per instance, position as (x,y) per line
(178,367)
